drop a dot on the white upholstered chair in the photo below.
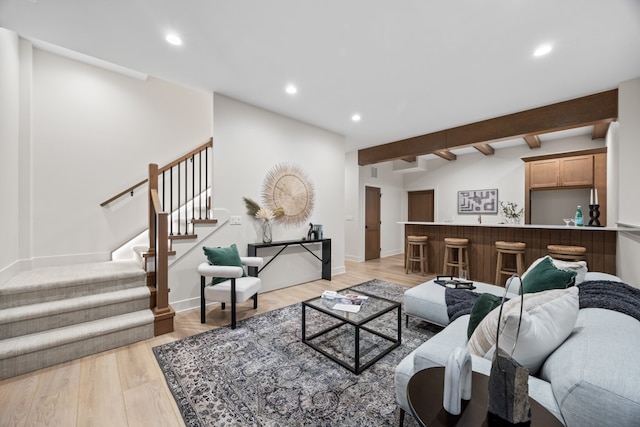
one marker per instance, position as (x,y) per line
(236,289)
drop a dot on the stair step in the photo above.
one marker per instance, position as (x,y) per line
(32,318)
(204,221)
(153,255)
(28,353)
(69,281)
(183,236)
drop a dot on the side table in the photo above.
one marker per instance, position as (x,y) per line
(424,393)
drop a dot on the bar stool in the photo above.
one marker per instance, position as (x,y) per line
(509,248)
(567,253)
(416,251)
(455,246)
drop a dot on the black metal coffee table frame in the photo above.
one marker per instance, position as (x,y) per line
(344,318)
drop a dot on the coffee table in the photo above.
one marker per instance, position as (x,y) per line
(424,393)
(372,336)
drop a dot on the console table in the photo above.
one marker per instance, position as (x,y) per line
(252,249)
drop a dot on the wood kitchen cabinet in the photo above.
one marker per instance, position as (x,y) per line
(579,169)
(575,171)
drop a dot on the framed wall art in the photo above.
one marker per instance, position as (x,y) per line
(478,201)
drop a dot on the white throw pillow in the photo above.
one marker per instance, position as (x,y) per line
(547,320)
(580,267)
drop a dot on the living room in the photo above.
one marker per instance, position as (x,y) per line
(76,134)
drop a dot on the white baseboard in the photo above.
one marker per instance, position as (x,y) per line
(11,270)
(51,261)
(385,254)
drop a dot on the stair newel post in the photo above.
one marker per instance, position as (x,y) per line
(162,265)
(159,244)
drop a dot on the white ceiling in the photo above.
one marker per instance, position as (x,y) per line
(409,67)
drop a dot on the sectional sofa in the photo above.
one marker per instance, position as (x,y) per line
(591,378)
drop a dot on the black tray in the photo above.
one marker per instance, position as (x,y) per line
(454,283)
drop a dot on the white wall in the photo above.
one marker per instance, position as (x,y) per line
(78,136)
(248,142)
(353,238)
(629,203)
(390,185)
(474,171)
(9,147)
(391,191)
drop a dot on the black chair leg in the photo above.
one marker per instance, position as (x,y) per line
(233,303)
(202,301)
(223,305)
(255,301)
(400,422)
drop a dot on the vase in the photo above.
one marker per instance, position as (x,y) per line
(266,232)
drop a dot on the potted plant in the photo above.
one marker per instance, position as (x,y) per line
(511,212)
(265,214)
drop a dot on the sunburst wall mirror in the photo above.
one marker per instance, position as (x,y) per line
(288,187)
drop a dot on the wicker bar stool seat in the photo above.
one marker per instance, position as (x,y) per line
(456,255)
(567,252)
(517,249)
(416,252)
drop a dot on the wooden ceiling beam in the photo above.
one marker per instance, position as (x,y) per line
(533,141)
(574,113)
(600,130)
(409,159)
(445,154)
(485,149)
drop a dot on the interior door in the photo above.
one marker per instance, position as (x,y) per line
(371,223)
(420,206)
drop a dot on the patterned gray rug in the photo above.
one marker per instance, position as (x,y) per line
(261,374)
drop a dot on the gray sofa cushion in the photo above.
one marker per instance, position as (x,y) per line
(597,364)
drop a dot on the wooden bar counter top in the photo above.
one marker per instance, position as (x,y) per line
(599,241)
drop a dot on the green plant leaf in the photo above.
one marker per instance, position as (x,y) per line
(252,206)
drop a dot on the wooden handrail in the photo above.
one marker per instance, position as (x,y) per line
(204,146)
(122,193)
(155,199)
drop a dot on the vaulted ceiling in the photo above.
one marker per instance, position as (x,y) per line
(408,68)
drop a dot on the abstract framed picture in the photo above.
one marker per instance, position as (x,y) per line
(478,201)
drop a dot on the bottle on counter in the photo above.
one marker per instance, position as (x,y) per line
(578,218)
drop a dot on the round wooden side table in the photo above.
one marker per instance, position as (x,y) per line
(424,393)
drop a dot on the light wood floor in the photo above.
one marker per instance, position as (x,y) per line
(125,387)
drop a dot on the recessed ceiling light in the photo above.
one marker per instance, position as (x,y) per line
(542,50)
(291,89)
(173,39)
(356,117)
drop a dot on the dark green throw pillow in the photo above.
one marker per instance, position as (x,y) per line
(545,276)
(223,256)
(483,306)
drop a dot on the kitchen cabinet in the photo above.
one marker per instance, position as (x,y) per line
(575,171)
(564,171)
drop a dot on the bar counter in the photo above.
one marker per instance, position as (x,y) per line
(600,243)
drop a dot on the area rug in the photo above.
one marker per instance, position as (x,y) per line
(261,374)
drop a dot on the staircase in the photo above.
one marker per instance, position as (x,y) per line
(56,314)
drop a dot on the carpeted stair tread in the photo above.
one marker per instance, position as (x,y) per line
(12,347)
(32,318)
(53,283)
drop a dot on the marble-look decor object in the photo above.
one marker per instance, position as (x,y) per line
(457,380)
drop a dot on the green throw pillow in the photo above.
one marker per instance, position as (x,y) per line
(483,306)
(546,276)
(223,256)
